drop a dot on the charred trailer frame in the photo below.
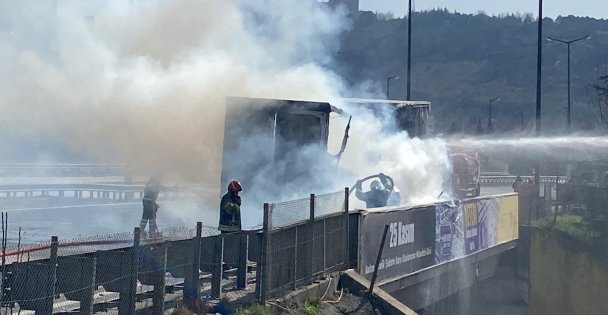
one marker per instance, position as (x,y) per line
(410,116)
(268,134)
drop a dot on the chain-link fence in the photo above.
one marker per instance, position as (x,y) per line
(127,274)
(303,239)
(300,240)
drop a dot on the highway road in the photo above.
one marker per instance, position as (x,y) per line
(70,218)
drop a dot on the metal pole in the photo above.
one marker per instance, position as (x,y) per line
(409,50)
(569,121)
(539,59)
(387,83)
(346,228)
(311,245)
(196,262)
(375,274)
(134,270)
(264,257)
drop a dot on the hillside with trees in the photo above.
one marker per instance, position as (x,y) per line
(460,62)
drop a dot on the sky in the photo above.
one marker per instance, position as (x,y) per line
(551,8)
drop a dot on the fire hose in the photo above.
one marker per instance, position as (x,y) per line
(366,179)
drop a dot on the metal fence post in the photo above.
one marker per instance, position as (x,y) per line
(241,275)
(158,296)
(134,271)
(47,303)
(258,260)
(264,257)
(346,228)
(218,260)
(311,231)
(196,261)
(86,303)
(53,261)
(295,260)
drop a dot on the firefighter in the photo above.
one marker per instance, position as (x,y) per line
(230,209)
(517,184)
(378,195)
(150,207)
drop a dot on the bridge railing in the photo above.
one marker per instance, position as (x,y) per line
(84,191)
(290,250)
(33,276)
(501,179)
(64,170)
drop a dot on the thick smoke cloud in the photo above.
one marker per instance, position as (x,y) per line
(146,86)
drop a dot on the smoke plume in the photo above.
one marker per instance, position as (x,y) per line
(146,86)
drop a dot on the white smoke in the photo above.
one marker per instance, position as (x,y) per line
(417,166)
(147,85)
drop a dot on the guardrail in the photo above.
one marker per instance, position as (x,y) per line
(511,179)
(84,191)
(64,170)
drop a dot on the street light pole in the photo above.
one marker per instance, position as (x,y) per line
(539,59)
(568,43)
(490,127)
(388,81)
(409,51)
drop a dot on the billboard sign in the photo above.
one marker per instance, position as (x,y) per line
(409,243)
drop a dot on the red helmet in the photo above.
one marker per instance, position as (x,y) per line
(234,186)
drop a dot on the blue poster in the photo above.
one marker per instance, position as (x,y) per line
(448,232)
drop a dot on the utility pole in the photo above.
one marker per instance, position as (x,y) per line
(409,51)
(539,59)
(568,43)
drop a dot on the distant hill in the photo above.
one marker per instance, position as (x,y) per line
(461,61)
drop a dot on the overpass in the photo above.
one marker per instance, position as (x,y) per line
(435,251)
(432,252)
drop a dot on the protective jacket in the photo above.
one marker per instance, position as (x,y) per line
(152,189)
(374,198)
(230,213)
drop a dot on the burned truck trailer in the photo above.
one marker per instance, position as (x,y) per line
(273,142)
(410,116)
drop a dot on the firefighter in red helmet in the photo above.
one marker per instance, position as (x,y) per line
(230,209)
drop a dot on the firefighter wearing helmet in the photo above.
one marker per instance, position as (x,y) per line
(378,195)
(230,209)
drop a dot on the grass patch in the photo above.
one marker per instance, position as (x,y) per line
(311,306)
(254,309)
(571,225)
